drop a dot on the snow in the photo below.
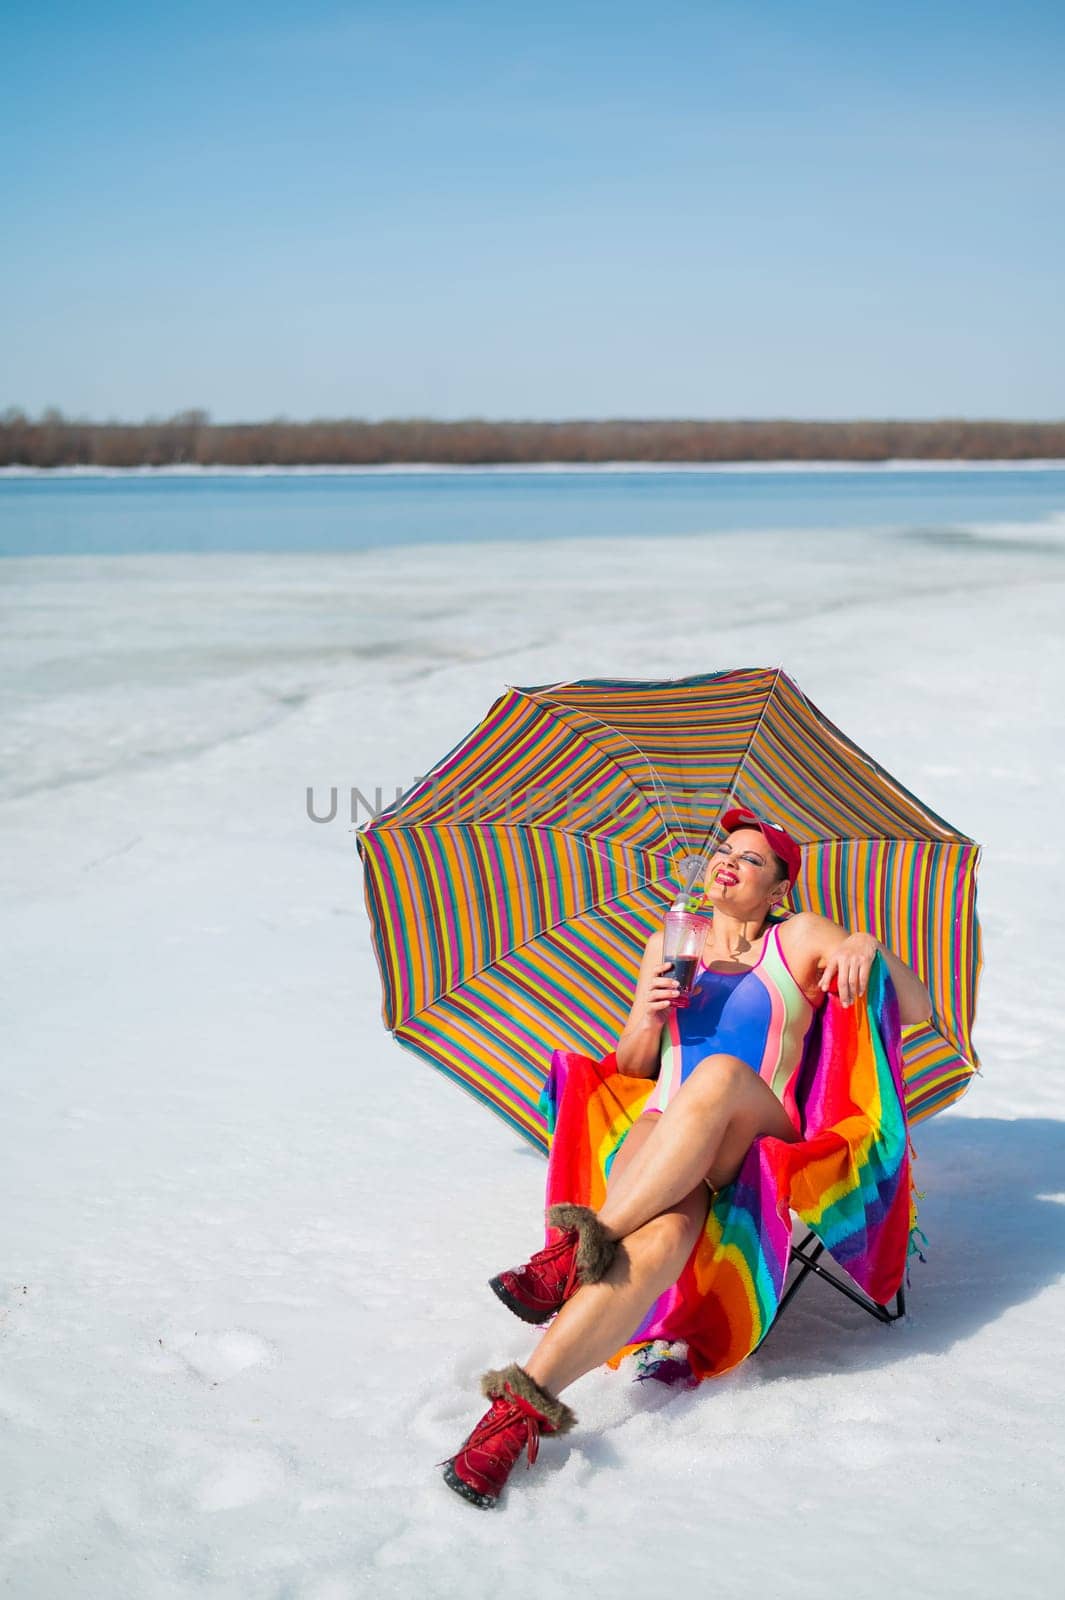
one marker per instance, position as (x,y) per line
(243,1303)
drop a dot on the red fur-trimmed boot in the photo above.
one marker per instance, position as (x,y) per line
(582,1254)
(520,1411)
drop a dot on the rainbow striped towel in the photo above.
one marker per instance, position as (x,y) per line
(848,1179)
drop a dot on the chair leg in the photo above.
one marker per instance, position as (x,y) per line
(809,1262)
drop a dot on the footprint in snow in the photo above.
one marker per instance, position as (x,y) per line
(216,1356)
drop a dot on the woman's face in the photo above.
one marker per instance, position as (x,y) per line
(743,875)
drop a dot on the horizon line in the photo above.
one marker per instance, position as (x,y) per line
(545,468)
(198,416)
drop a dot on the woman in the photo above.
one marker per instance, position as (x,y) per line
(726,1064)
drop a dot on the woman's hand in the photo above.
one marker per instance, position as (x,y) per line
(641,1038)
(662,995)
(849,966)
(843,960)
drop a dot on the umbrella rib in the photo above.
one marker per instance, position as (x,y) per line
(730,792)
(559,706)
(579,838)
(539,934)
(889,778)
(584,840)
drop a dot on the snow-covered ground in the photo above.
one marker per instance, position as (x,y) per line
(246,1238)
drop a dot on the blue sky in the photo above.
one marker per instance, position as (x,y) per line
(404,209)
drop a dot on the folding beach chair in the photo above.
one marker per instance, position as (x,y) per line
(935,1076)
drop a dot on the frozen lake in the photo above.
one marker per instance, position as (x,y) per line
(322,511)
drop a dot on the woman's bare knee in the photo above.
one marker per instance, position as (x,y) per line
(715,1077)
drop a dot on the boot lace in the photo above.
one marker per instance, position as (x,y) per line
(503,1415)
(506,1418)
(551,1253)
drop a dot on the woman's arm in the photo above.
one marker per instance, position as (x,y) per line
(638,1047)
(846,958)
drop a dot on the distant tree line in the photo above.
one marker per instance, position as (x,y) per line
(191,439)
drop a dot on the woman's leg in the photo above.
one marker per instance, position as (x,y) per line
(656,1205)
(600,1317)
(704,1132)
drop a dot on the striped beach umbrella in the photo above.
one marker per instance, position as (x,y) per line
(512,890)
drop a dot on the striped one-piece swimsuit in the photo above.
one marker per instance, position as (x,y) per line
(760,1015)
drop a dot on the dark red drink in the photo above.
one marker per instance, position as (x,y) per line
(682,945)
(684,973)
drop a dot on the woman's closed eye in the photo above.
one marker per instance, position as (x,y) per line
(747,855)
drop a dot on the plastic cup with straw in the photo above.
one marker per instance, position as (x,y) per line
(685,929)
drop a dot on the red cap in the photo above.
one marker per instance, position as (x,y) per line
(779,839)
